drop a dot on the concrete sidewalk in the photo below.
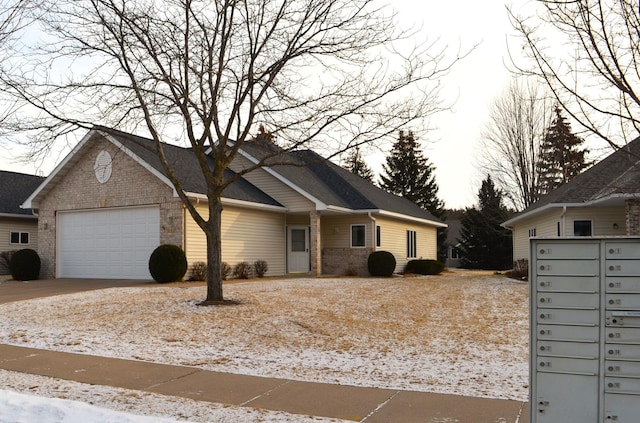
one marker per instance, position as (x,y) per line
(369,405)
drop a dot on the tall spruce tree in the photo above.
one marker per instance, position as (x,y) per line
(357,165)
(409,174)
(561,158)
(484,244)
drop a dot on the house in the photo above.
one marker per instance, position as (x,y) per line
(18,226)
(453,239)
(109,203)
(602,201)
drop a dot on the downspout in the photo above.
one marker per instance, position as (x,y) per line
(562,222)
(373,238)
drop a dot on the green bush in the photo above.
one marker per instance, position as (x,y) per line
(198,271)
(425,267)
(25,265)
(242,270)
(381,263)
(260,267)
(225,269)
(167,263)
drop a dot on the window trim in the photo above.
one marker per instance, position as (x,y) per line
(378,236)
(364,235)
(412,241)
(21,236)
(582,221)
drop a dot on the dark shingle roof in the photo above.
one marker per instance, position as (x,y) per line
(14,189)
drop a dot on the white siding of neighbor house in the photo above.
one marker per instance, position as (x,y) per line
(546,225)
(247,235)
(8,225)
(279,191)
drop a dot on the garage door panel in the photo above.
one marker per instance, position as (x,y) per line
(107,243)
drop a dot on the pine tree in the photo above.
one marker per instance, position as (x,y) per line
(357,165)
(484,244)
(408,174)
(561,158)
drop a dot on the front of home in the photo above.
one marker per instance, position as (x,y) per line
(108,204)
(602,201)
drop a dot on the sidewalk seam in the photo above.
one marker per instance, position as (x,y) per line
(265,393)
(382,404)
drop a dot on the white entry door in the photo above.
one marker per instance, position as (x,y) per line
(298,249)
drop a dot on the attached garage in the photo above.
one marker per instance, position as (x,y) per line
(113,243)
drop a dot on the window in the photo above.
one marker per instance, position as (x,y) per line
(19,238)
(558,228)
(532,232)
(411,244)
(582,228)
(378,241)
(357,235)
(455,253)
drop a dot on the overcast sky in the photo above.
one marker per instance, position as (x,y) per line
(474,82)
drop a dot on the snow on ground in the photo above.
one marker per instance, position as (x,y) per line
(461,333)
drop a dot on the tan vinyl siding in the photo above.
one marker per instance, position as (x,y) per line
(602,220)
(8,225)
(393,237)
(545,225)
(336,231)
(282,193)
(247,235)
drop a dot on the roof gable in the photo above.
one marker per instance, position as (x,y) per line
(14,189)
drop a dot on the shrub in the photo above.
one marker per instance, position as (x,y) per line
(242,270)
(425,267)
(25,265)
(381,263)
(260,267)
(5,259)
(167,263)
(198,271)
(520,270)
(225,269)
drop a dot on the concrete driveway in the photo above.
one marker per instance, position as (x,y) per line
(11,290)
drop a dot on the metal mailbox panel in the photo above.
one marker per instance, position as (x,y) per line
(568,333)
(623,302)
(622,335)
(623,284)
(620,408)
(570,283)
(622,369)
(622,318)
(568,349)
(568,365)
(624,385)
(622,250)
(567,267)
(622,351)
(568,300)
(568,250)
(622,268)
(560,316)
(563,398)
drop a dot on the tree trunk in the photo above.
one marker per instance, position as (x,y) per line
(213,230)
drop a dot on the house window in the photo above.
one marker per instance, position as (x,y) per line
(358,235)
(19,238)
(558,228)
(582,228)
(532,232)
(455,253)
(378,239)
(411,244)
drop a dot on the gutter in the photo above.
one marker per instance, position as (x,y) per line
(33,215)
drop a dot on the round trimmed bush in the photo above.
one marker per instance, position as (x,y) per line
(381,263)
(167,263)
(25,265)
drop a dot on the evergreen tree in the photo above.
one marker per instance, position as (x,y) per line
(561,158)
(407,173)
(484,244)
(357,165)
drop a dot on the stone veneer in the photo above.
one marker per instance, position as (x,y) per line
(632,214)
(130,185)
(345,261)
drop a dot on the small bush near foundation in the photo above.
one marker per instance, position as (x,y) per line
(5,259)
(225,270)
(520,270)
(198,271)
(242,270)
(260,267)
(25,265)
(425,267)
(381,263)
(167,263)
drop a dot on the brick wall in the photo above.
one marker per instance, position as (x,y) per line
(345,261)
(632,214)
(76,188)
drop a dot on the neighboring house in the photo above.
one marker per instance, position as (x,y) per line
(108,204)
(18,226)
(453,238)
(602,201)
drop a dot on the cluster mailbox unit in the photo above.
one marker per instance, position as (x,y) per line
(585,330)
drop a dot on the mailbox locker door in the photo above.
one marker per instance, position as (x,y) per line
(568,300)
(568,365)
(622,352)
(622,335)
(622,369)
(570,283)
(622,267)
(565,398)
(568,349)
(568,317)
(622,385)
(623,284)
(568,333)
(567,268)
(623,302)
(568,251)
(622,250)
(621,408)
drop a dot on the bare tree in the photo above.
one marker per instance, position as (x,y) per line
(320,74)
(512,139)
(587,52)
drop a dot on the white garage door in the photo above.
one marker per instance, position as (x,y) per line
(107,243)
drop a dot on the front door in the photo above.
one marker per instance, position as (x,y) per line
(298,249)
